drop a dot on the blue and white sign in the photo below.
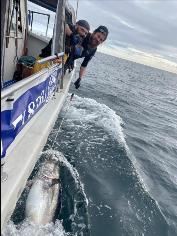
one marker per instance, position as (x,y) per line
(24,108)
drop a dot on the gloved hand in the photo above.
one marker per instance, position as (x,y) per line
(75,39)
(77,83)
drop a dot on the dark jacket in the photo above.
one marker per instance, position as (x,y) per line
(47,51)
(87,53)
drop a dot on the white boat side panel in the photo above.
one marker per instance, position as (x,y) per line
(29,82)
(10,53)
(19,167)
(8,106)
(21,91)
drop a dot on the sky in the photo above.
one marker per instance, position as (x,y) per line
(144,31)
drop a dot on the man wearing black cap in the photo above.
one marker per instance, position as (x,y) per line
(89,46)
(74,36)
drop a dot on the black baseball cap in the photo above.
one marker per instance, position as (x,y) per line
(84,24)
(102,29)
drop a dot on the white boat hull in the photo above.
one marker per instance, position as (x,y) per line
(29,145)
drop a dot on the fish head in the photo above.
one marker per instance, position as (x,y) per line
(50,170)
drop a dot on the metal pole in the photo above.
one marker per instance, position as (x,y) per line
(31,20)
(59,32)
(53,57)
(47,24)
(7,27)
(77,8)
(10,24)
(5,17)
(16,30)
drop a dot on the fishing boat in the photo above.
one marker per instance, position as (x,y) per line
(30,104)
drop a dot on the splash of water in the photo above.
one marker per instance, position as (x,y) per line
(87,110)
(58,156)
(27,228)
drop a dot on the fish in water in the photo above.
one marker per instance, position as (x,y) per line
(43,196)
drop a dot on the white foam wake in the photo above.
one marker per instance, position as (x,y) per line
(87,110)
(58,156)
(26,228)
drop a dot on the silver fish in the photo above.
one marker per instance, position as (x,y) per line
(43,197)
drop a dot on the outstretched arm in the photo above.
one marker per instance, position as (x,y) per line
(82,72)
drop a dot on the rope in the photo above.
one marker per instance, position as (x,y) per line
(69,104)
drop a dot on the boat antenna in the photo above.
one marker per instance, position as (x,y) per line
(77,8)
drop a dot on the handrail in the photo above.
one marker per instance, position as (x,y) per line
(20,84)
(53,57)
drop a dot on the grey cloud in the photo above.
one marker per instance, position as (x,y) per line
(148,25)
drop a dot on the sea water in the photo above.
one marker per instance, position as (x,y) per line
(119,140)
(118,136)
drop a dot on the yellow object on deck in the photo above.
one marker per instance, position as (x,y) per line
(37,66)
(65,57)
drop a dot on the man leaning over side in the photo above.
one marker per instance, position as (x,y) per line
(74,35)
(89,48)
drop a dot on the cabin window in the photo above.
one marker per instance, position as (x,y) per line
(40,20)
